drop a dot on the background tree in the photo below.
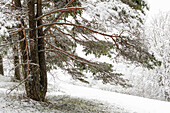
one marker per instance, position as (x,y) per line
(1,66)
(22,41)
(159,41)
(7,20)
(17,75)
(154,83)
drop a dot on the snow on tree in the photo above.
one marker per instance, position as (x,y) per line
(116,15)
(158,36)
(7,18)
(57,27)
(154,83)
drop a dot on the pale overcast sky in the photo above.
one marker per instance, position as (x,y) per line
(159,5)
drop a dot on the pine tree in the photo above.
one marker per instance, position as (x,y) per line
(48,29)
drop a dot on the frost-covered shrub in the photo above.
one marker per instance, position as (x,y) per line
(158,35)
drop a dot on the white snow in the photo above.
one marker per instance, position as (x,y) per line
(57,86)
(131,103)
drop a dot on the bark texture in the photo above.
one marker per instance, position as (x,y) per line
(41,53)
(1,66)
(17,75)
(36,86)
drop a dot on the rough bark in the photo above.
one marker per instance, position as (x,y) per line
(41,53)
(36,86)
(32,85)
(1,66)
(17,75)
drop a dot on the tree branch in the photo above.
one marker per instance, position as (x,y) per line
(70,24)
(58,16)
(60,10)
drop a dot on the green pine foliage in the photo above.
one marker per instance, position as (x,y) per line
(67,58)
(137,4)
(72,29)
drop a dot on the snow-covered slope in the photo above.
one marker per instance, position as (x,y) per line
(126,103)
(133,104)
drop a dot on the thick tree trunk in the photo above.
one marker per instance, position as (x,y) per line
(36,87)
(33,85)
(17,75)
(41,53)
(1,66)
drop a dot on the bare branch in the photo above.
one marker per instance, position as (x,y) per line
(15,31)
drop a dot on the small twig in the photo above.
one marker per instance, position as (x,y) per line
(16,86)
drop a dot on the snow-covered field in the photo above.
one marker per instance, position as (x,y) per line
(64,97)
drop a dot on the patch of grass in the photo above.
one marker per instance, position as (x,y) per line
(67,104)
(57,104)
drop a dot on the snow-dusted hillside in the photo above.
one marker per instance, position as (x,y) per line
(109,102)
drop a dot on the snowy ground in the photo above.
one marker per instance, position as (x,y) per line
(68,98)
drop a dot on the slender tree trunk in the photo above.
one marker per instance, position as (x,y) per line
(41,53)
(17,75)
(23,51)
(22,41)
(1,65)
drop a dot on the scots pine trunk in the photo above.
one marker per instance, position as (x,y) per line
(36,86)
(1,65)
(33,85)
(41,53)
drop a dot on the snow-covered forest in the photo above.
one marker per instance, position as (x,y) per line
(83,56)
